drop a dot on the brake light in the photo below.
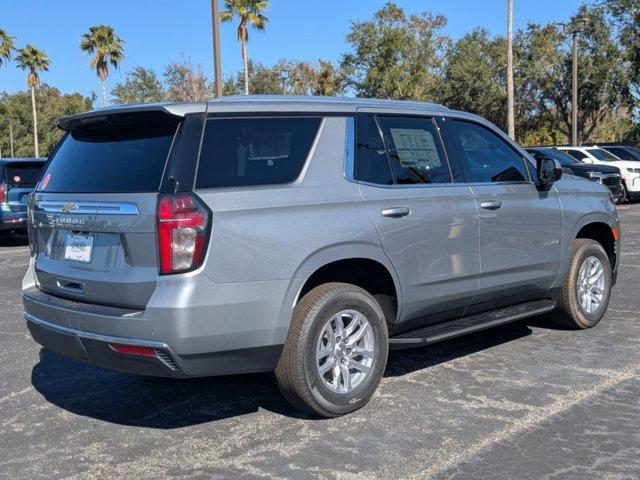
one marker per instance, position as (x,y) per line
(183,230)
(3,193)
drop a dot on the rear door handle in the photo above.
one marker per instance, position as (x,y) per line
(395,212)
(491,205)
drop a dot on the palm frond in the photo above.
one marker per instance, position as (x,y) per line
(106,47)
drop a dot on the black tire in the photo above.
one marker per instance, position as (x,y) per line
(297,374)
(570,313)
(625,195)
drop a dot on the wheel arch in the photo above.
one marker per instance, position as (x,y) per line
(361,264)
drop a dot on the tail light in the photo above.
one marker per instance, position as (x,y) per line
(3,193)
(183,231)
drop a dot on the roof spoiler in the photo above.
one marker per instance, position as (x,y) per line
(100,115)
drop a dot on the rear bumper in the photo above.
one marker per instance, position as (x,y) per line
(12,220)
(60,325)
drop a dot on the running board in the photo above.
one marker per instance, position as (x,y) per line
(474,323)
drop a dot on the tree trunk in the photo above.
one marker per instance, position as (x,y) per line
(511,121)
(245,59)
(104,92)
(35,121)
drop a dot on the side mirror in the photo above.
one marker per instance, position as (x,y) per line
(549,171)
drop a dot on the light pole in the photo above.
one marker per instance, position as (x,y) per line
(510,93)
(215,31)
(574,28)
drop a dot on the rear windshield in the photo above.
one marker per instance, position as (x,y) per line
(126,154)
(254,151)
(22,174)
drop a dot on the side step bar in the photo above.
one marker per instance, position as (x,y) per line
(474,323)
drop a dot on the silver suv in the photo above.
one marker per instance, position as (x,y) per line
(302,235)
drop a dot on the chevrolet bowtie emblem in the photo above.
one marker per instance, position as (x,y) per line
(69,207)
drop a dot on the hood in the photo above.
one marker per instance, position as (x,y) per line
(624,164)
(584,168)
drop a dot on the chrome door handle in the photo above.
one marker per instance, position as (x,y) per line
(395,212)
(491,205)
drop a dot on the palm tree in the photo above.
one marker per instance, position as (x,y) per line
(6,46)
(106,47)
(248,12)
(33,60)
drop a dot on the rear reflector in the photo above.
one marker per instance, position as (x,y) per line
(183,229)
(147,352)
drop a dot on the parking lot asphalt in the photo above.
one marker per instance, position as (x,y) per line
(523,401)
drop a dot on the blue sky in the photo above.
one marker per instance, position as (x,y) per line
(160,31)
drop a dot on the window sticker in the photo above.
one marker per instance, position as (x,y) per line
(416,148)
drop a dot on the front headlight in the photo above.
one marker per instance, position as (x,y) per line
(633,170)
(595,176)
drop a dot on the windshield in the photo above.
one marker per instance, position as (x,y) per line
(602,155)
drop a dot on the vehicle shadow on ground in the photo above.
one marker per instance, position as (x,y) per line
(14,240)
(163,403)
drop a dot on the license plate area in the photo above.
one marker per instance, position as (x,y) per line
(78,247)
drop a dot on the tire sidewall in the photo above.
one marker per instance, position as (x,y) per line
(590,250)
(329,400)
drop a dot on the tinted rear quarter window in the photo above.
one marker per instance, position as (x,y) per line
(126,154)
(254,151)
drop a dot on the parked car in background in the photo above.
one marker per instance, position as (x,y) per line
(302,235)
(629,169)
(605,174)
(623,153)
(18,177)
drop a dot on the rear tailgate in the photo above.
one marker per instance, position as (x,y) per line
(93,219)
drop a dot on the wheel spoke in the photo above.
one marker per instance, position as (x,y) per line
(359,351)
(335,383)
(355,322)
(355,337)
(360,367)
(324,353)
(346,377)
(328,365)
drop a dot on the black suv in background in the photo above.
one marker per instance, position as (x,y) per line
(18,177)
(605,174)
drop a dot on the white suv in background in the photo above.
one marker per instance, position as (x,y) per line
(629,169)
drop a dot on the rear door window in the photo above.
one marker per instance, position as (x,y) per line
(22,175)
(128,155)
(414,149)
(254,151)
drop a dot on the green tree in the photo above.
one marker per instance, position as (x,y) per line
(141,85)
(52,105)
(475,77)
(102,42)
(543,75)
(249,12)
(6,47)
(186,83)
(396,55)
(626,13)
(33,61)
